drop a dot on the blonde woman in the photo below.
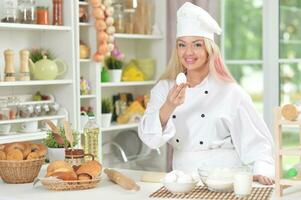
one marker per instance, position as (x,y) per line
(210,120)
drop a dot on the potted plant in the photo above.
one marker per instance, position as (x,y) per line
(106,110)
(56,151)
(115,68)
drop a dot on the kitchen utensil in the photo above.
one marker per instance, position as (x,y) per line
(9,65)
(121,179)
(68,133)
(24,68)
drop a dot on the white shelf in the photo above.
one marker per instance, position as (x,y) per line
(15,121)
(16,26)
(22,137)
(36,82)
(90,96)
(137,36)
(119,127)
(85,60)
(127,83)
(291,151)
(84,24)
(290,42)
(35,102)
(83,3)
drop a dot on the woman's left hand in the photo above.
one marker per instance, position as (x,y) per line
(263,180)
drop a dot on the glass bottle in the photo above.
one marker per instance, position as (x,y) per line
(27,11)
(129,20)
(118,18)
(57,12)
(10,11)
(91,137)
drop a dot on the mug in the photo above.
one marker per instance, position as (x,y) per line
(29,126)
(4,129)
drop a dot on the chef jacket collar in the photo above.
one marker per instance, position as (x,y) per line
(203,83)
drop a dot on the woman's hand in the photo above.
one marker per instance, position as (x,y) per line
(175,97)
(263,180)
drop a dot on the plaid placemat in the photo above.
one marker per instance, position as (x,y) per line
(200,192)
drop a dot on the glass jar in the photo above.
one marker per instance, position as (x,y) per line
(57,12)
(4,111)
(76,156)
(27,10)
(10,11)
(13,106)
(42,15)
(91,137)
(118,18)
(129,20)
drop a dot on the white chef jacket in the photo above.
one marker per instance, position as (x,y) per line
(217,125)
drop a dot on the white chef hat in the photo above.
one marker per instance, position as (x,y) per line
(192,20)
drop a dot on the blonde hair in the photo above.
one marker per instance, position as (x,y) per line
(214,60)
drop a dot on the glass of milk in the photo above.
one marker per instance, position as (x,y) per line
(243,179)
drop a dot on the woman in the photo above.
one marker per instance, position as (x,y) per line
(209,120)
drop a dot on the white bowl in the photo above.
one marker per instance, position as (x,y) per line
(179,188)
(219,185)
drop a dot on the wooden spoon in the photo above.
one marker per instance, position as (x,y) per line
(55,132)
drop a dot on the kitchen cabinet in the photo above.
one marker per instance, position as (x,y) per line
(18,36)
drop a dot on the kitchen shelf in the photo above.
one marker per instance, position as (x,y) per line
(137,36)
(290,151)
(36,82)
(286,122)
(15,121)
(128,83)
(290,42)
(85,60)
(119,127)
(84,24)
(90,96)
(22,137)
(83,3)
(31,27)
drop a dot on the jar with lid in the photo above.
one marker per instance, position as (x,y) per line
(4,111)
(27,11)
(129,20)
(118,18)
(10,11)
(57,12)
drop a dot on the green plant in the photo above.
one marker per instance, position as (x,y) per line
(113,63)
(50,142)
(37,54)
(106,105)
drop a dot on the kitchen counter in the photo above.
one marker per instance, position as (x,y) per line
(105,190)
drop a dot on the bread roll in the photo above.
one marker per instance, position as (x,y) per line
(66,176)
(33,156)
(2,155)
(58,165)
(92,168)
(84,177)
(14,154)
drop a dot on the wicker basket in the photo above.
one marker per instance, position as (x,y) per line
(60,185)
(24,171)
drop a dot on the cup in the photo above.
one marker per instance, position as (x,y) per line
(29,126)
(4,129)
(243,182)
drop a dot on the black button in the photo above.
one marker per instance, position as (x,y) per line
(174,116)
(206,92)
(203,115)
(201,142)
(177,140)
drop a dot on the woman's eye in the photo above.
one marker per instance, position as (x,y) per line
(197,45)
(181,45)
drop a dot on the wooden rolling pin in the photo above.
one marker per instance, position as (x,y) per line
(121,179)
(152,177)
(290,112)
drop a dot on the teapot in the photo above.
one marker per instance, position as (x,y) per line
(46,69)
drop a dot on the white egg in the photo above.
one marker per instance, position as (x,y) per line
(185,179)
(181,78)
(170,178)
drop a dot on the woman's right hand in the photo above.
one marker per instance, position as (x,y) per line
(175,97)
